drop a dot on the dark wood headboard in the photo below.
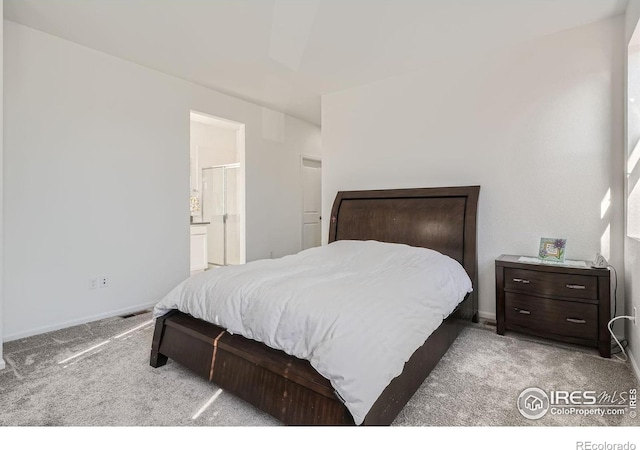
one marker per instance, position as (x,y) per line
(443,219)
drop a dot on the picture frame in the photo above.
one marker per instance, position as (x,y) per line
(552,249)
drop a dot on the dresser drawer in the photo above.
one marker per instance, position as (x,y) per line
(559,317)
(551,284)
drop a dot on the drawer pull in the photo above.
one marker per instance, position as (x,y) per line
(576,286)
(569,319)
(521,280)
(524,311)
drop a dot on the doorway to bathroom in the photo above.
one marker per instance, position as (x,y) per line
(217,181)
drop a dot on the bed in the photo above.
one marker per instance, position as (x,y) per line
(289,388)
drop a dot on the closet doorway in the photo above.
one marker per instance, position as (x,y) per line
(217,183)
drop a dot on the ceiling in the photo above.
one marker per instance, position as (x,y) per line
(285,54)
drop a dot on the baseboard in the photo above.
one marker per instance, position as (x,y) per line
(79,321)
(487,316)
(2,365)
(634,364)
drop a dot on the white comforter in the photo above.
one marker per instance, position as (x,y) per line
(357,310)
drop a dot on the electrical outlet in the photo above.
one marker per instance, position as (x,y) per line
(104,282)
(93,283)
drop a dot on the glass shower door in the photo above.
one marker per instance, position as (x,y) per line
(213,212)
(220,209)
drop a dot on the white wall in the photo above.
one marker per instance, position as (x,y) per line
(217,145)
(538,127)
(80,129)
(631,243)
(1,187)
(211,146)
(632,15)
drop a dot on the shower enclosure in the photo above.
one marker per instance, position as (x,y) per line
(220,209)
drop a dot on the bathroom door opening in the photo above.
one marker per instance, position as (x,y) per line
(217,198)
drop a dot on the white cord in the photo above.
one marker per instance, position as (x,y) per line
(616,339)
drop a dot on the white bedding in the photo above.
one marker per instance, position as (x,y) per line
(357,310)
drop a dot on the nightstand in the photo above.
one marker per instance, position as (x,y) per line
(560,302)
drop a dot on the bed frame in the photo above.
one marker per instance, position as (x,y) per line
(288,388)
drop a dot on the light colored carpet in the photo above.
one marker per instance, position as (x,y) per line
(476,383)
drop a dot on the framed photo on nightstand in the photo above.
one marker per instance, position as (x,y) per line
(552,249)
